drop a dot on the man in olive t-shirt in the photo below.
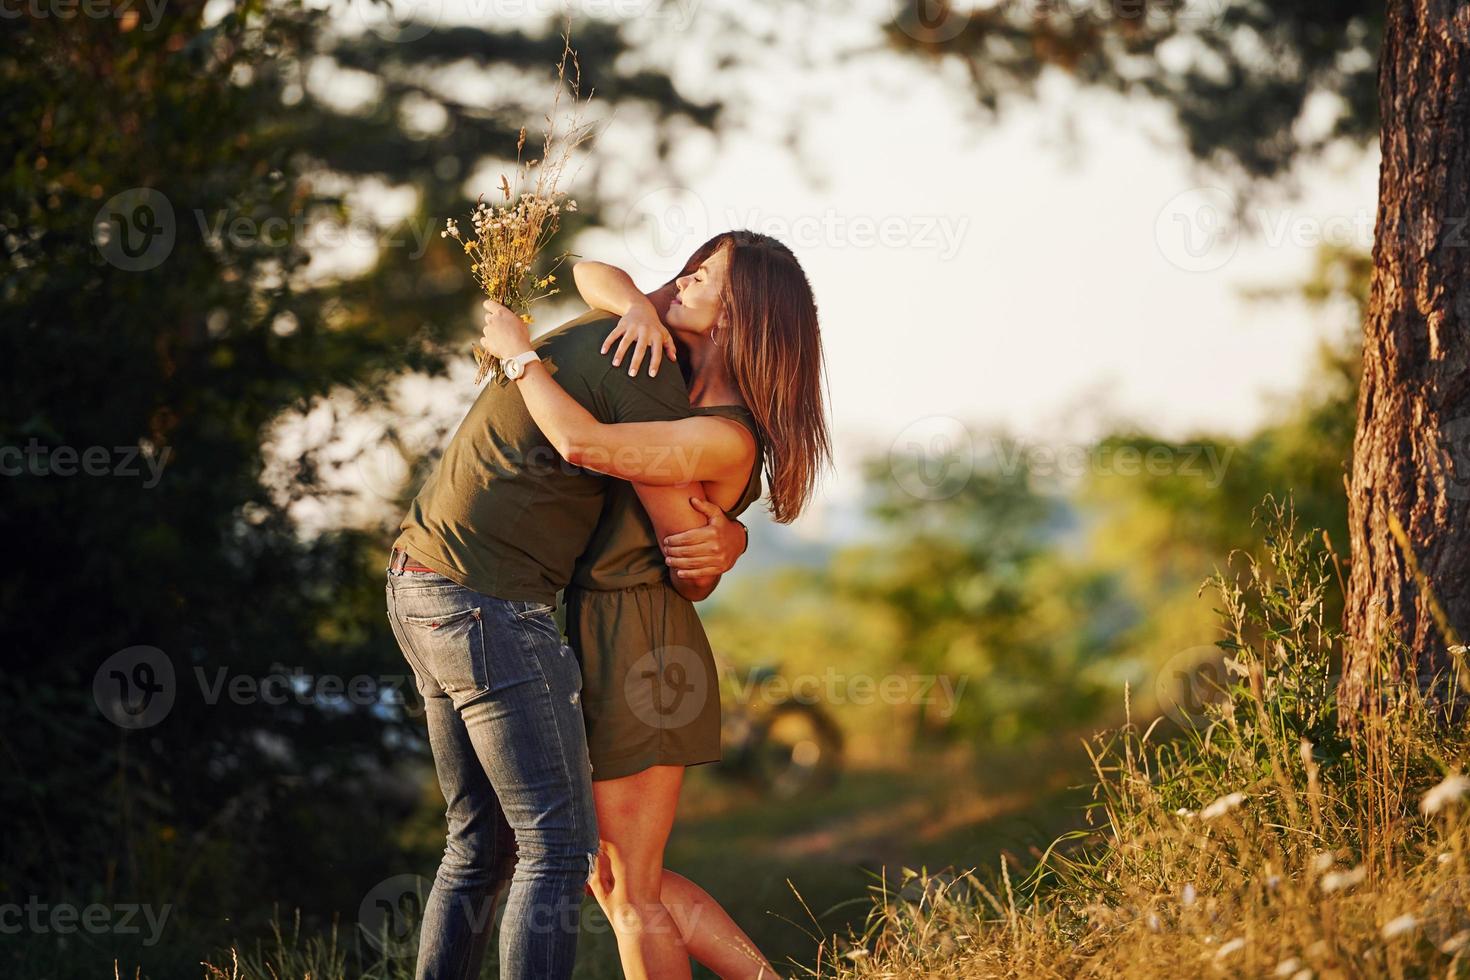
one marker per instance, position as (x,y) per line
(503,514)
(491,538)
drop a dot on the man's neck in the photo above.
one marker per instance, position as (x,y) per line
(709,377)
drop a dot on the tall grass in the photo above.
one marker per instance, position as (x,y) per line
(1274,838)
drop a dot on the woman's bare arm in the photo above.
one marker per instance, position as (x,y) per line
(700,447)
(640,323)
(606,287)
(677,509)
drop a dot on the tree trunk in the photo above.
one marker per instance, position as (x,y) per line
(1411,458)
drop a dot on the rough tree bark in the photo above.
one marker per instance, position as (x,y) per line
(1411,458)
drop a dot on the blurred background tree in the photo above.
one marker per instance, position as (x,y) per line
(1254,87)
(256,165)
(1044,594)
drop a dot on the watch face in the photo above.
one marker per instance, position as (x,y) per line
(513,368)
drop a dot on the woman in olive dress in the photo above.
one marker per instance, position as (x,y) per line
(744,330)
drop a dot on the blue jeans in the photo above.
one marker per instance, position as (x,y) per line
(502,697)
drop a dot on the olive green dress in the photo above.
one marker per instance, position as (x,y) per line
(650,693)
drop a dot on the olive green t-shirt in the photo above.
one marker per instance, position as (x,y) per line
(503,513)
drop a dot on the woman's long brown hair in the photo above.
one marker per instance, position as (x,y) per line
(773,348)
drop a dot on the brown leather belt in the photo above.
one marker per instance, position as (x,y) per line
(399,561)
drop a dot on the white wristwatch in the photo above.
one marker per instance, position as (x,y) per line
(514,367)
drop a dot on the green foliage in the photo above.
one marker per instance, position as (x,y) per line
(229,802)
(1264,841)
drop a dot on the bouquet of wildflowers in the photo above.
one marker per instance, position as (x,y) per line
(509,236)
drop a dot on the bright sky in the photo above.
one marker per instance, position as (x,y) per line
(1004,276)
(1055,273)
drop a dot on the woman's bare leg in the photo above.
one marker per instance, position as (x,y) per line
(660,918)
(710,935)
(634,815)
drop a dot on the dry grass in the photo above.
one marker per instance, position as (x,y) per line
(1264,842)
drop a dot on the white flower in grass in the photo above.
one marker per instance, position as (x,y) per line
(1397,927)
(1184,812)
(1188,895)
(1222,806)
(1450,789)
(1338,880)
(1288,966)
(1230,947)
(1322,862)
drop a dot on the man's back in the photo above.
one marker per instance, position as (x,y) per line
(502,513)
